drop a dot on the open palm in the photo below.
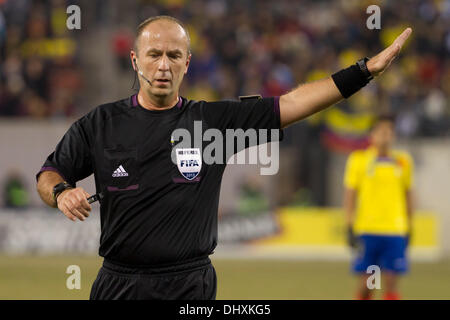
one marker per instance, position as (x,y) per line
(381,61)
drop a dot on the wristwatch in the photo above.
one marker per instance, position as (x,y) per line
(363,66)
(59,188)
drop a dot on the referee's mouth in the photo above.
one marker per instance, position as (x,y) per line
(162,82)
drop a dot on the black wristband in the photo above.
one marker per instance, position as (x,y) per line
(59,188)
(350,80)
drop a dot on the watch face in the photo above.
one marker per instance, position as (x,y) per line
(362,65)
(60,187)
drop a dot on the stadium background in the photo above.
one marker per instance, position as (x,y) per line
(282,236)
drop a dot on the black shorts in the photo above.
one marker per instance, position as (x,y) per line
(194,280)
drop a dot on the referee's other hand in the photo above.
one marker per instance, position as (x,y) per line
(73,203)
(381,61)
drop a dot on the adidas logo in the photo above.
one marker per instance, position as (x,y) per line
(120,172)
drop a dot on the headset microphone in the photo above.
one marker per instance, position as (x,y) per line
(141,73)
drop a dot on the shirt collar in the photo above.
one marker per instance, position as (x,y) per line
(135,103)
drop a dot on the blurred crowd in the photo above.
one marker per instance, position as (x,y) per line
(39,74)
(248,47)
(269,47)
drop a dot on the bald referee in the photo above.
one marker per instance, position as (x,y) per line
(159,223)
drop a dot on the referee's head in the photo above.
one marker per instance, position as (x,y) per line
(161,55)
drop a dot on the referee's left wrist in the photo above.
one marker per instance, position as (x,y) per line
(352,79)
(365,68)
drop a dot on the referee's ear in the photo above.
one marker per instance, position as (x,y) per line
(188,60)
(133,56)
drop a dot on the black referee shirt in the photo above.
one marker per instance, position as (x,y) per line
(152,215)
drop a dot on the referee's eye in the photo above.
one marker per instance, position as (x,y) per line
(174,56)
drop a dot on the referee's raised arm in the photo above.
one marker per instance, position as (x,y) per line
(313,97)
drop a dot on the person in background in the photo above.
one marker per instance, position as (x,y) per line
(15,193)
(378,204)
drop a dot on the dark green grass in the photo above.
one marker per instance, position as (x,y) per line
(44,277)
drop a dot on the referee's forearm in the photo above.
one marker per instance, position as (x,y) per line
(47,180)
(308,99)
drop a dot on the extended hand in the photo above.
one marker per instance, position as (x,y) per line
(381,61)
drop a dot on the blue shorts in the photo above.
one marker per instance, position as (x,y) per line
(387,252)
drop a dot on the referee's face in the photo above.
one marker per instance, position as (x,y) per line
(162,56)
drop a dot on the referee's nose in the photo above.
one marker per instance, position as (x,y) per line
(163,65)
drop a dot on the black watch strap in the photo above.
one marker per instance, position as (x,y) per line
(362,64)
(59,188)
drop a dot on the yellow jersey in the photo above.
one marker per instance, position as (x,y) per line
(381,184)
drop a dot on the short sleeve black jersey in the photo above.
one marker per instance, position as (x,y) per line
(161,200)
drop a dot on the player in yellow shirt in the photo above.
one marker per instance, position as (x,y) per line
(378,205)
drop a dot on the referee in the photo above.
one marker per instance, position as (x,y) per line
(158,223)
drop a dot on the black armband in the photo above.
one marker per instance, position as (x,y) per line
(350,80)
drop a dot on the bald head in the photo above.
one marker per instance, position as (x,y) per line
(155,28)
(161,57)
